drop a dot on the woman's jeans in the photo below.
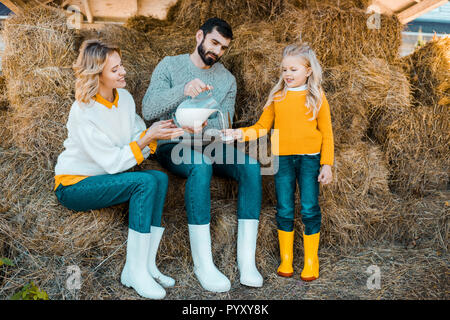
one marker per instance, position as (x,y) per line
(198,165)
(145,191)
(305,169)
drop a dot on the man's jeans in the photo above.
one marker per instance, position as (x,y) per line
(198,163)
(305,169)
(145,190)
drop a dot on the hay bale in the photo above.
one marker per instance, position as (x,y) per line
(5,133)
(39,80)
(338,36)
(349,113)
(358,93)
(415,136)
(145,24)
(429,71)
(191,14)
(415,141)
(172,42)
(40,222)
(355,205)
(342,4)
(3,94)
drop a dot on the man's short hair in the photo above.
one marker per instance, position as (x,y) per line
(220,25)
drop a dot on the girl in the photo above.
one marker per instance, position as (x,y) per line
(105,138)
(303,144)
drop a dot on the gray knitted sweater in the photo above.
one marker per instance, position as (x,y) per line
(166,90)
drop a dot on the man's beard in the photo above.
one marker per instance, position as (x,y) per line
(206,60)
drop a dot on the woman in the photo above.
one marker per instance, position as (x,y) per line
(105,138)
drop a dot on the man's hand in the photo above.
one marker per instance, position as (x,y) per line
(195,87)
(325,176)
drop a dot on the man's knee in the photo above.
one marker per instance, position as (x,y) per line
(202,171)
(250,173)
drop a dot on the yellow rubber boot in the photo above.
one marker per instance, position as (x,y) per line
(311,263)
(286,240)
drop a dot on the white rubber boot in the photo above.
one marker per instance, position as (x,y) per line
(246,248)
(155,238)
(208,275)
(135,273)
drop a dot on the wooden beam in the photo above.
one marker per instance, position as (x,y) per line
(383,8)
(16,6)
(88,11)
(418,9)
(12,6)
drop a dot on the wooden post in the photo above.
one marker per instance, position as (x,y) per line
(87,8)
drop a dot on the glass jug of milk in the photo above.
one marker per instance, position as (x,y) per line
(193,112)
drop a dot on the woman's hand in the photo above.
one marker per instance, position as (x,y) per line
(325,176)
(160,130)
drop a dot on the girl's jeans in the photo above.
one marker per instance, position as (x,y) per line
(304,169)
(145,191)
(198,164)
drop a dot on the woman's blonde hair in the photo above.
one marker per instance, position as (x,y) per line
(88,67)
(314,81)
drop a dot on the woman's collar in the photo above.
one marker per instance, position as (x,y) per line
(107,103)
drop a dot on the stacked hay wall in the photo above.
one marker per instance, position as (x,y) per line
(415,137)
(379,126)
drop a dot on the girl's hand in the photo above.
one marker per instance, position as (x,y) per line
(236,134)
(325,176)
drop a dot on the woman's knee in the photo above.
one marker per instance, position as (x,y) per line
(161,177)
(144,182)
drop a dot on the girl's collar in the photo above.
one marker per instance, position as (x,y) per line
(300,88)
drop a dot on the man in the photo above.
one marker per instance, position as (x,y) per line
(186,76)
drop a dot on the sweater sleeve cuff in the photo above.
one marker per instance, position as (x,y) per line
(137,152)
(326,160)
(250,133)
(152,145)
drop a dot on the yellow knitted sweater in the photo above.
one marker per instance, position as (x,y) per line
(294,133)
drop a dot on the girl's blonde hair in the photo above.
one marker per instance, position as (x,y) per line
(88,67)
(314,81)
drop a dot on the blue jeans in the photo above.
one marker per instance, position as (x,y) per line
(199,164)
(305,169)
(145,191)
